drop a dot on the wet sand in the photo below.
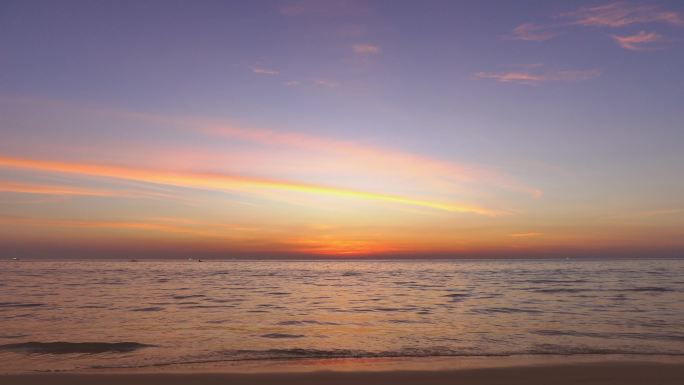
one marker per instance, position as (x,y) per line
(622,373)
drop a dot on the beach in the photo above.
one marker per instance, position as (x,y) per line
(622,373)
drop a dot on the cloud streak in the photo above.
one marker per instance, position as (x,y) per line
(531,32)
(61,190)
(157,225)
(529,78)
(622,14)
(526,235)
(371,158)
(611,15)
(637,42)
(41,189)
(292,155)
(325,83)
(264,71)
(366,49)
(220,182)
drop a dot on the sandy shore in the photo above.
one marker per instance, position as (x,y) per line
(623,373)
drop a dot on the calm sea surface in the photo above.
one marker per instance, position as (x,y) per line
(62,315)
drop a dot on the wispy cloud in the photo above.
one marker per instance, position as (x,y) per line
(531,32)
(526,235)
(42,189)
(366,49)
(293,155)
(222,182)
(372,159)
(653,213)
(529,78)
(161,225)
(326,83)
(302,158)
(639,41)
(62,190)
(622,14)
(510,77)
(264,71)
(614,15)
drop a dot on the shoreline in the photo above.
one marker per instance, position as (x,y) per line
(387,364)
(624,372)
(342,364)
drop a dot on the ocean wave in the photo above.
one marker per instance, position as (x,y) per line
(403,321)
(307,353)
(548,349)
(554,281)
(188,296)
(656,289)
(506,310)
(351,273)
(20,304)
(458,297)
(281,335)
(12,336)
(146,309)
(559,290)
(305,322)
(612,335)
(74,347)
(198,306)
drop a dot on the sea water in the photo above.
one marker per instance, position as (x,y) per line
(65,315)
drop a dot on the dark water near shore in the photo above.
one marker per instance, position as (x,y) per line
(58,315)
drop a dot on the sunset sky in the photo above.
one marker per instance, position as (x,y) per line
(341,128)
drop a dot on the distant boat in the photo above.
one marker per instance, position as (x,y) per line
(15,258)
(133,260)
(199,260)
(189,259)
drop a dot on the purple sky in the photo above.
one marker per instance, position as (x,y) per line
(465,128)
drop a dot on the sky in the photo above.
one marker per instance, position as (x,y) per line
(301,128)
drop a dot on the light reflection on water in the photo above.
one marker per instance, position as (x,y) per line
(240,310)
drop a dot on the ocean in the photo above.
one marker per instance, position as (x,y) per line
(70,315)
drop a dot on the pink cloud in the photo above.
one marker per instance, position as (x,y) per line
(366,49)
(637,41)
(535,78)
(264,71)
(510,77)
(531,32)
(291,155)
(325,83)
(7,186)
(572,75)
(225,182)
(612,15)
(621,14)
